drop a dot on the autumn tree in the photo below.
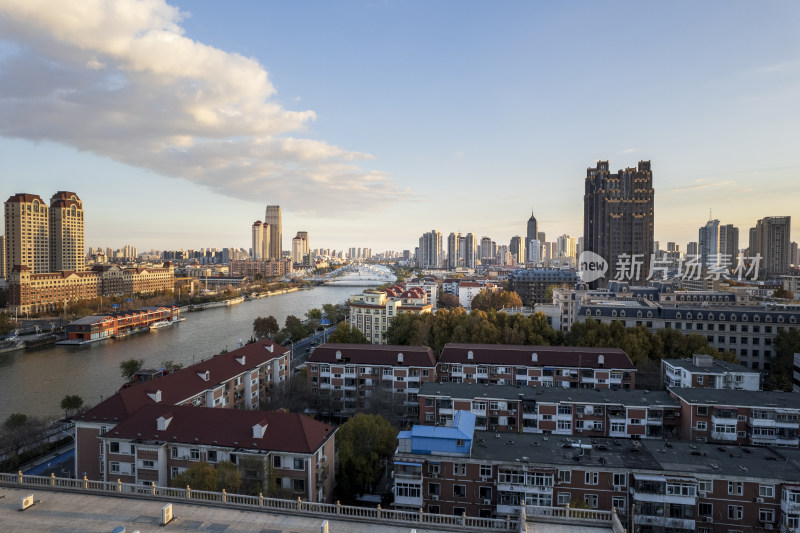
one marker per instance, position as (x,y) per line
(787,343)
(448,301)
(494,300)
(199,476)
(346,334)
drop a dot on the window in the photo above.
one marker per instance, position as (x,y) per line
(211,456)
(276,461)
(565,476)
(485,493)
(114,468)
(735,487)
(766,491)
(591,500)
(173,453)
(705,509)
(195,454)
(766,515)
(591,478)
(299,485)
(702,426)
(486,471)
(618,502)
(459,491)
(433,468)
(299,464)
(705,485)
(434,489)
(148,464)
(563,498)
(459,469)
(735,512)
(702,410)
(114,447)
(174,471)
(620,480)
(408,490)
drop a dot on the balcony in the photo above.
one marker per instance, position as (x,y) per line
(791,507)
(717,435)
(409,501)
(664,522)
(521,487)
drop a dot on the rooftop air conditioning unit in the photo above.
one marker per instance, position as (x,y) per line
(487,502)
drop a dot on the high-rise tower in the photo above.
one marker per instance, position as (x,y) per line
(773,243)
(618,215)
(273,218)
(531,235)
(67,250)
(708,244)
(453,242)
(27,233)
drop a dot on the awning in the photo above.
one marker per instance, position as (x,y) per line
(650,477)
(408,464)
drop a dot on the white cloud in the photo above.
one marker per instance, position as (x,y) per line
(121,80)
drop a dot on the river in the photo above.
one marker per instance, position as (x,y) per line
(34,381)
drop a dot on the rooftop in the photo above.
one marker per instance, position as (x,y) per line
(373,354)
(717,366)
(545,356)
(738,398)
(550,394)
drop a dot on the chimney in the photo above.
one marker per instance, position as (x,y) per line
(534,357)
(154,395)
(338,355)
(470,355)
(400,358)
(259,429)
(240,360)
(162,422)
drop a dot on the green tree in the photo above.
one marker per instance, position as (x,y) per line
(265,327)
(6,324)
(345,334)
(494,300)
(295,328)
(130,367)
(364,441)
(200,476)
(787,343)
(71,403)
(314,314)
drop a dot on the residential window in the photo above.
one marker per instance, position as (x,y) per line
(766,515)
(620,480)
(592,478)
(702,426)
(433,468)
(195,454)
(485,493)
(148,464)
(735,488)
(459,491)
(459,469)
(434,489)
(565,476)
(486,470)
(114,447)
(563,498)
(705,509)
(766,491)
(591,500)
(735,512)
(299,464)
(114,468)
(276,461)
(211,456)
(705,485)
(702,410)
(299,485)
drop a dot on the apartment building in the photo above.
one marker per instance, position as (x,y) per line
(279,454)
(703,371)
(239,379)
(553,410)
(656,485)
(350,378)
(269,268)
(373,311)
(739,416)
(29,292)
(547,366)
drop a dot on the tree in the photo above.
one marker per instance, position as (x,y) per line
(6,324)
(265,327)
(19,431)
(200,476)
(130,367)
(449,301)
(228,477)
(71,403)
(365,441)
(345,334)
(172,366)
(314,314)
(494,300)
(787,343)
(295,328)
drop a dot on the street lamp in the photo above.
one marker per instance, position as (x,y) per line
(75,447)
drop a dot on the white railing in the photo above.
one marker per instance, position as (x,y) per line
(568,514)
(260,503)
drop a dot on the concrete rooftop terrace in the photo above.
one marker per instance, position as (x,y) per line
(67,512)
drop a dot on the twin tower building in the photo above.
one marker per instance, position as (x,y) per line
(267,241)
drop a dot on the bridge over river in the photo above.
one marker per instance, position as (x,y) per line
(357,274)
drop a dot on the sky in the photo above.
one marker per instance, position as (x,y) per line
(371,122)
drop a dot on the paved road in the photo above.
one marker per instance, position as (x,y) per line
(302,348)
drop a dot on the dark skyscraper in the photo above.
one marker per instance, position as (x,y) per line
(531,235)
(618,215)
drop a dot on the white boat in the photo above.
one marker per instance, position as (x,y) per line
(160,324)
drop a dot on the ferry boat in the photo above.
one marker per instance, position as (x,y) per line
(160,324)
(98,327)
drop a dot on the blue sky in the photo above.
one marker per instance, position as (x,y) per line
(372,122)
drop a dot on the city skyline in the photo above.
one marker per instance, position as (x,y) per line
(430,125)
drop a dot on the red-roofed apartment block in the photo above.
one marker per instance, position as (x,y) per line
(240,379)
(548,366)
(279,454)
(351,378)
